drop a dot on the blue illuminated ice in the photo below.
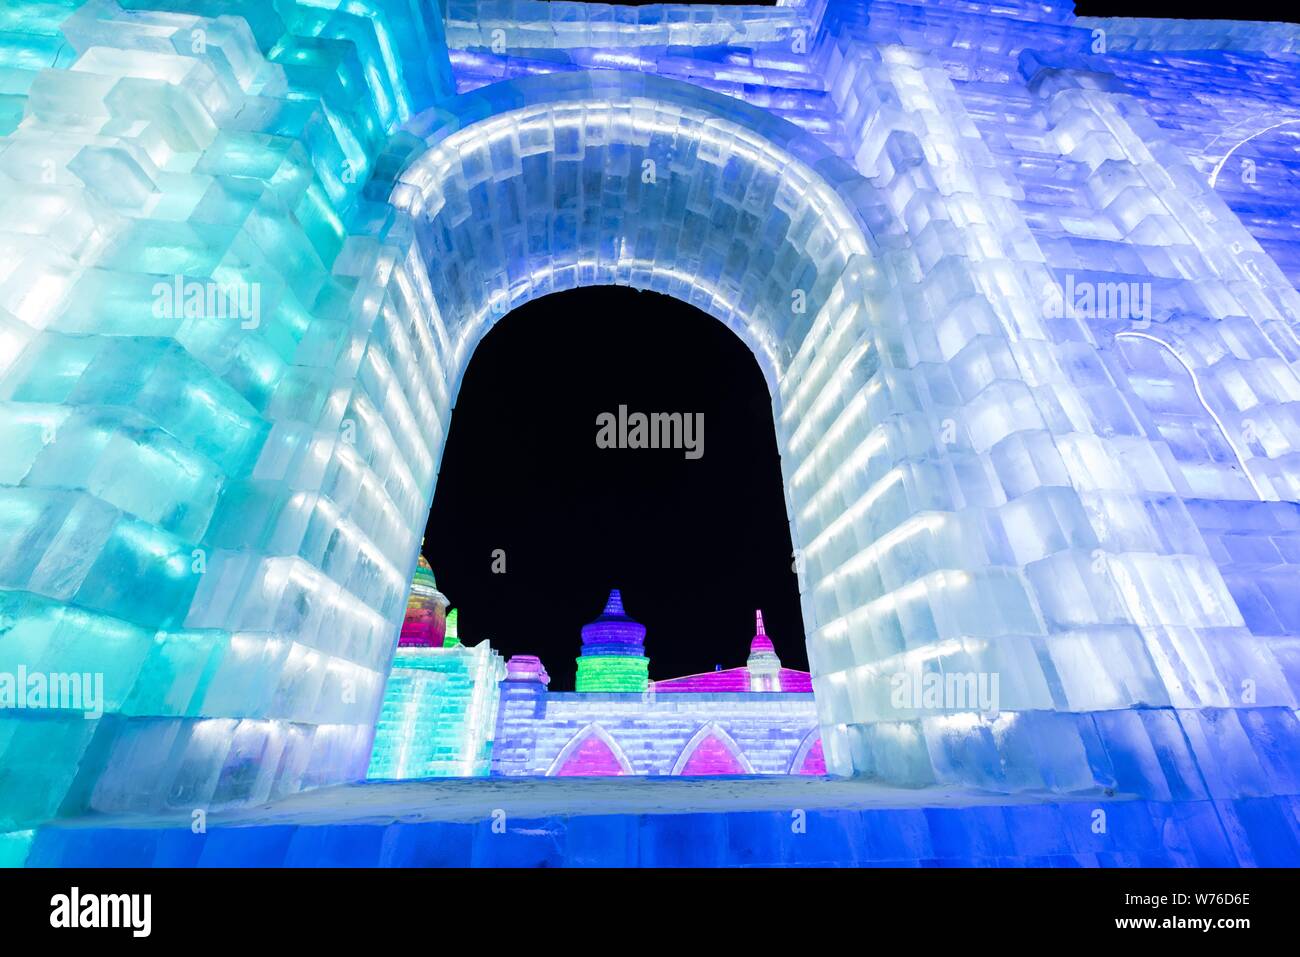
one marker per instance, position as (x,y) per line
(1023,288)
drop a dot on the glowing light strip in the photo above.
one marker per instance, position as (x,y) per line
(832,387)
(852,513)
(1214,176)
(1200,396)
(839,627)
(726,310)
(825,338)
(855,461)
(829,440)
(882,546)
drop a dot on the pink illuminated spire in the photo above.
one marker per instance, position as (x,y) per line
(761,642)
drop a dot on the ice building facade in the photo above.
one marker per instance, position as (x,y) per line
(1022,285)
(439,713)
(756,719)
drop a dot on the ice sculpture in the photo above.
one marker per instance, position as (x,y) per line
(756,719)
(245,258)
(439,710)
(439,713)
(456,711)
(613,651)
(427,623)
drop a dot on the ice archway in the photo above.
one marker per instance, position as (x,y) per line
(584,179)
(611,179)
(256,665)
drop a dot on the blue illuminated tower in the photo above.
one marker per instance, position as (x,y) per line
(613,651)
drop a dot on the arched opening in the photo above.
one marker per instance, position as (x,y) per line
(808,757)
(603,185)
(533,521)
(590,753)
(711,751)
(540,511)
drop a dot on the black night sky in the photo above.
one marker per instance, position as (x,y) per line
(695,546)
(1268,10)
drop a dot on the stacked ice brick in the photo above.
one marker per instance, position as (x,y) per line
(1224,94)
(1122,657)
(440,703)
(979,482)
(439,713)
(217,510)
(543,24)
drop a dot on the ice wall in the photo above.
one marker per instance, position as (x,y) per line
(893,205)
(439,714)
(213,501)
(655,733)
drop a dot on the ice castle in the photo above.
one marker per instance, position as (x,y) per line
(457,711)
(756,719)
(1023,287)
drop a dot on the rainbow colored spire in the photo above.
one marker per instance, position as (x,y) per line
(425,623)
(613,651)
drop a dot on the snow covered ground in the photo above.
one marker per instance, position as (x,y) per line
(474,799)
(768,821)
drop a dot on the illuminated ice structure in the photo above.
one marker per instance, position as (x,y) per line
(440,712)
(613,652)
(214,499)
(757,719)
(440,706)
